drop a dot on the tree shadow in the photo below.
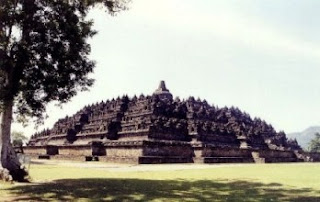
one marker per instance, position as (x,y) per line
(33,162)
(164,190)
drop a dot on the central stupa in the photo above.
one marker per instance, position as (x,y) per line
(163,92)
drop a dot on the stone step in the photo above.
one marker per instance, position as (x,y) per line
(91,158)
(259,160)
(224,160)
(43,157)
(164,159)
(280,159)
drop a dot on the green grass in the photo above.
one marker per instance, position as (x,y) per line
(254,182)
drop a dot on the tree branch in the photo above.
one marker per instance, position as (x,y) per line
(11,24)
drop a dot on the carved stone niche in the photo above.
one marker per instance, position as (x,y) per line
(84,118)
(98,148)
(78,127)
(52,150)
(113,128)
(71,135)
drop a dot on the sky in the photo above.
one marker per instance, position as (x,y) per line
(262,56)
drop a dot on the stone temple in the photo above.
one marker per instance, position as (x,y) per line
(160,129)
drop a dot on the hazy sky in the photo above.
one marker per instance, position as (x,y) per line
(261,56)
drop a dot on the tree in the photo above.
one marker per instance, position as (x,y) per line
(314,144)
(18,139)
(43,57)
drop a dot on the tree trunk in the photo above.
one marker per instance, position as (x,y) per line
(10,167)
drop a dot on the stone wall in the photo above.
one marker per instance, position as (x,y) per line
(275,154)
(308,156)
(79,150)
(225,152)
(124,149)
(167,149)
(162,151)
(35,150)
(315,156)
(167,136)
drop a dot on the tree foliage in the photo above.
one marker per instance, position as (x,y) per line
(314,144)
(18,138)
(43,57)
(44,51)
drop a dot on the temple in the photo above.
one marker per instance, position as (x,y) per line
(160,129)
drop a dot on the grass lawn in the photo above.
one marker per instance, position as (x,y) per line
(242,182)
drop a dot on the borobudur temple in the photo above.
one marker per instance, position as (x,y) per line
(159,129)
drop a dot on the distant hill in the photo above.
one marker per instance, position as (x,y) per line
(305,136)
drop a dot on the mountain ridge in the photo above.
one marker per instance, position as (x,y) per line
(305,136)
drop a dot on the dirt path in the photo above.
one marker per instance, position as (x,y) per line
(114,167)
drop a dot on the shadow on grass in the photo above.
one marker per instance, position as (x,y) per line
(164,190)
(33,162)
